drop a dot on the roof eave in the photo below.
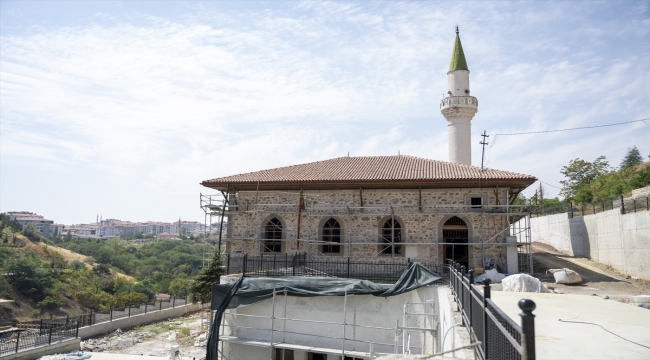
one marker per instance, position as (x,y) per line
(369,184)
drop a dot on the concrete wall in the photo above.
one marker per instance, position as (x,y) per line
(136,320)
(361,309)
(60,347)
(621,241)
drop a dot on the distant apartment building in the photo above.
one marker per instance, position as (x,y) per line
(26,218)
(114,227)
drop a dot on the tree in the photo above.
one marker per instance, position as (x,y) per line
(55,234)
(49,305)
(68,237)
(201,289)
(28,277)
(180,286)
(633,157)
(31,232)
(580,173)
(102,269)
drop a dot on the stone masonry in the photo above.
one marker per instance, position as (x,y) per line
(361,213)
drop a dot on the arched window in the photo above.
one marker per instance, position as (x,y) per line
(331,234)
(391,234)
(273,232)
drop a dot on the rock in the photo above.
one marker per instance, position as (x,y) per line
(605,297)
(202,337)
(172,336)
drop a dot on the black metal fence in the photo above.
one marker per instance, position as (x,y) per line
(500,336)
(13,341)
(627,206)
(30,334)
(273,265)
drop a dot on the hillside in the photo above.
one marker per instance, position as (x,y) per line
(59,279)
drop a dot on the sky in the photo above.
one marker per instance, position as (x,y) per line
(122,108)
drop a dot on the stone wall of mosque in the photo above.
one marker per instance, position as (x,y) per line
(361,215)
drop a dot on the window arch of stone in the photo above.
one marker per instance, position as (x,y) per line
(391,236)
(273,232)
(331,233)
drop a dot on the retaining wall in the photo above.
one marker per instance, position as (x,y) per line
(136,320)
(621,241)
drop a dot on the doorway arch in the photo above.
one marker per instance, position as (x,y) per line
(455,231)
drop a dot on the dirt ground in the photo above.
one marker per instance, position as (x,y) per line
(597,279)
(188,332)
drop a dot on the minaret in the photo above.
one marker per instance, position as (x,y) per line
(458,107)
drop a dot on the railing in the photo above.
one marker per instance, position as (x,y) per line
(627,205)
(13,341)
(274,265)
(30,334)
(500,336)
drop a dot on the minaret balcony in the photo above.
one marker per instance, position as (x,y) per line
(458,101)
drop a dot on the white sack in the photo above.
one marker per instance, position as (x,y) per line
(565,276)
(523,283)
(494,276)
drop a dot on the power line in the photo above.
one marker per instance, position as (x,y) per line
(578,128)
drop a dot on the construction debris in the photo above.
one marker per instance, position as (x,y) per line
(565,276)
(523,283)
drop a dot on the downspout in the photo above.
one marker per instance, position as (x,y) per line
(300,205)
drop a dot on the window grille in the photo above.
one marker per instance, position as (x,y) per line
(273,232)
(331,233)
(391,232)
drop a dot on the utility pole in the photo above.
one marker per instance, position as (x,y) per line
(484,135)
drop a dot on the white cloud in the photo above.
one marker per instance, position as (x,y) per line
(171,102)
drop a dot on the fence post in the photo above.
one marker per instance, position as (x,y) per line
(622,205)
(91,317)
(462,293)
(244,266)
(111,310)
(634,203)
(486,295)
(228,264)
(570,210)
(174,300)
(593,205)
(40,328)
(145,307)
(603,210)
(49,339)
(528,327)
(348,266)
(77,332)
(159,305)
(17,339)
(471,281)
(293,265)
(647,203)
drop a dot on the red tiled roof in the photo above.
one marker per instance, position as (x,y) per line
(362,169)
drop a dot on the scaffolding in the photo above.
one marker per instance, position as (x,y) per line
(504,222)
(418,333)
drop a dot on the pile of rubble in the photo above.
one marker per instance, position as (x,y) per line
(189,333)
(115,341)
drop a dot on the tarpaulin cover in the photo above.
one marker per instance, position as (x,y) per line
(249,291)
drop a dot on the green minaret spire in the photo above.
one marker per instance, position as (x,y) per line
(458,61)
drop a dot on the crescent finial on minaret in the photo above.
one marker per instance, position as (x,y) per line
(456,29)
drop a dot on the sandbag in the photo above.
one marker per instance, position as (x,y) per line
(523,283)
(494,276)
(565,276)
